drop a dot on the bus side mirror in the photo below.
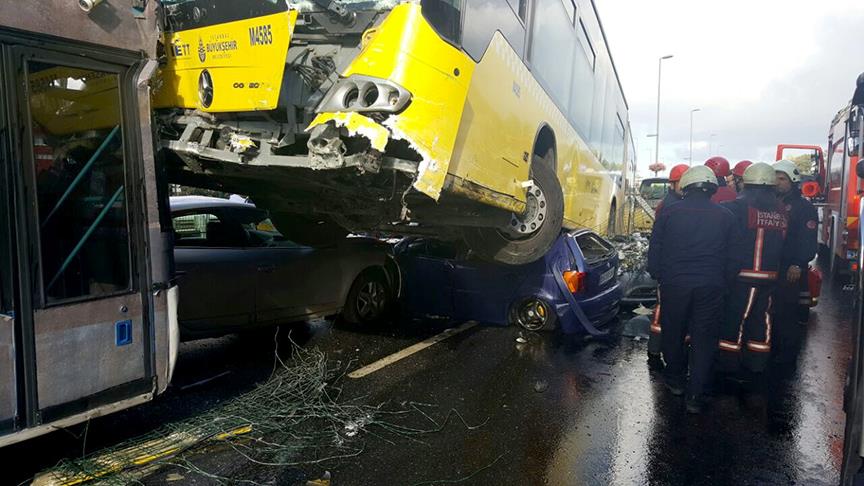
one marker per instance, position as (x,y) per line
(859,169)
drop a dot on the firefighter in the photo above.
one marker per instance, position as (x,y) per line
(675,193)
(689,255)
(738,175)
(746,336)
(801,245)
(720,166)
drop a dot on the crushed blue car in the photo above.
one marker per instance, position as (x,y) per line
(574,288)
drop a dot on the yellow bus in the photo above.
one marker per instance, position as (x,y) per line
(496,121)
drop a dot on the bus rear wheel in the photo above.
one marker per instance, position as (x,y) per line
(528,236)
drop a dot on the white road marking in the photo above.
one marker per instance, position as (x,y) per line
(416,348)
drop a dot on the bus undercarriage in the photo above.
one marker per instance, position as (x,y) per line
(331,156)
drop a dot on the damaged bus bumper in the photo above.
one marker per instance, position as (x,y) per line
(415,94)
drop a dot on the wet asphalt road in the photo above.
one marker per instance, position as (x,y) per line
(554,410)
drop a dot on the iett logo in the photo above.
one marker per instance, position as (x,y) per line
(202,52)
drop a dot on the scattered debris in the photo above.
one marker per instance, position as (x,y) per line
(541,386)
(291,416)
(292,419)
(324,480)
(632,252)
(643,311)
(204,381)
(637,327)
(240,143)
(355,426)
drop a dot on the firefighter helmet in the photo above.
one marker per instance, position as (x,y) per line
(740,167)
(719,165)
(790,169)
(699,177)
(677,171)
(760,174)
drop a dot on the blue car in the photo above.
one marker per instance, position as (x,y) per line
(573,288)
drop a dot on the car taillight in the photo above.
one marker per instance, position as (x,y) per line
(575,281)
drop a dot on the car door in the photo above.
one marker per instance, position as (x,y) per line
(217,272)
(484,291)
(294,281)
(426,288)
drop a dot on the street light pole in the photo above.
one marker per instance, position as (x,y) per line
(657,127)
(694,110)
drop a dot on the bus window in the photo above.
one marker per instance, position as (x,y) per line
(485,17)
(79,166)
(552,49)
(445,16)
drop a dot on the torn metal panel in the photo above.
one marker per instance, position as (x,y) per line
(436,75)
(478,193)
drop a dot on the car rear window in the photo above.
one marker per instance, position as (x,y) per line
(593,247)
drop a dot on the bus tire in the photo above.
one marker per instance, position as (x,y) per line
(612,224)
(500,245)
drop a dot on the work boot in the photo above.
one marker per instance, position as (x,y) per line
(675,385)
(695,404)
(655,362)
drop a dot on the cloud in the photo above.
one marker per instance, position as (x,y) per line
(762,73)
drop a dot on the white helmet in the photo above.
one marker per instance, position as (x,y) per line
(699,175)
(760,174)
(789,168)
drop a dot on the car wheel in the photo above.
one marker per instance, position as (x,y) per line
(533,314)
(369,299)
(528,236)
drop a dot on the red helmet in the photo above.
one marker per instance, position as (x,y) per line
(677,171)
(719,165)
(740,167)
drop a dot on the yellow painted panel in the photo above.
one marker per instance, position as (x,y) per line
(504,111)
(246,60)
(406,50)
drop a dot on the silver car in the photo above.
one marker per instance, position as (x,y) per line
(236,271)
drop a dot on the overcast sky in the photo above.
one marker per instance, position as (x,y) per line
(762,71)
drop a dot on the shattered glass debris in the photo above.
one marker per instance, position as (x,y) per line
(632,252)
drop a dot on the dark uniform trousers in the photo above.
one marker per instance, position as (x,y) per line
(655,345)
(789,332)
(745,339)
(695,311)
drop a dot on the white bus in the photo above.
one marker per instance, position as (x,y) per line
(87,305)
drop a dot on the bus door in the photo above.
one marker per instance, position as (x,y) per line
(83,339)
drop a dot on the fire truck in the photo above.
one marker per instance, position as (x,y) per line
(842,189)
(833,184)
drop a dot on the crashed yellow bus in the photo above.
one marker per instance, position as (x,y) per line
(496,121)
(87,303)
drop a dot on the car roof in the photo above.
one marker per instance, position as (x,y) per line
(652,180)
(183,203)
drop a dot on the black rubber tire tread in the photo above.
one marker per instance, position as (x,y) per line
(350,313)
(490,244)
(551,322)
(612,224)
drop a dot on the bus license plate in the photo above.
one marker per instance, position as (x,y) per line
(607,276)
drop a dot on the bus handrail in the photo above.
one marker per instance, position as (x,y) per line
(81,174)
(86,236)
